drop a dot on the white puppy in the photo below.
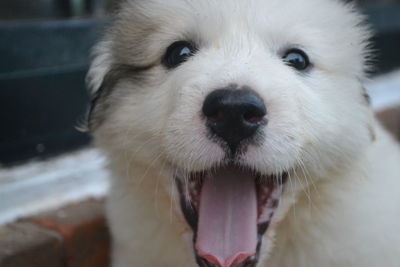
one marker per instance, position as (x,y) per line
(239,135)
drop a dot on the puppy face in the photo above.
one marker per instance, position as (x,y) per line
(224,90)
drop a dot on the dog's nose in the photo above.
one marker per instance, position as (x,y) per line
(234,114)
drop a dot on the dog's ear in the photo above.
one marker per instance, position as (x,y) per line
(100,66)
(366,96)
(95,78)
(371,129)
(367,99)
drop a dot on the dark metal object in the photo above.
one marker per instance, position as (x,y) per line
(49,9)
(42,88)
(37,9)
(385,21)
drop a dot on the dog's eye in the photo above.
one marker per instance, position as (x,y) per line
(178,53)
(297,59)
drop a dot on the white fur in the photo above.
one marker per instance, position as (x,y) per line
(341,206)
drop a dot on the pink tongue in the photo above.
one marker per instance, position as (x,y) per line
(227,229)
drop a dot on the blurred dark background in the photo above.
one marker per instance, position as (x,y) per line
(44,50)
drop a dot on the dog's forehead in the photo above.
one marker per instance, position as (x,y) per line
(210,19)
(146,27)
(210,15)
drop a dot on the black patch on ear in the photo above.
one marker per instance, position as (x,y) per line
(98,101)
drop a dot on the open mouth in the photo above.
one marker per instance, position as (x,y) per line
(229,210)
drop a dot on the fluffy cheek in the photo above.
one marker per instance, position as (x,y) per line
(290,106)
(311,126)
(185,138)
(282,137)
(321,127)
(133,127)
(343,132)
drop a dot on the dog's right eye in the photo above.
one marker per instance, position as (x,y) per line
(297,59)
(177,53)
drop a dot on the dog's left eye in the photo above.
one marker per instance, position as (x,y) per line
(297,59)
(177,53)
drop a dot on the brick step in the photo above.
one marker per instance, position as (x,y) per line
(73,236)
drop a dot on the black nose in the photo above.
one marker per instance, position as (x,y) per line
(234,114)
